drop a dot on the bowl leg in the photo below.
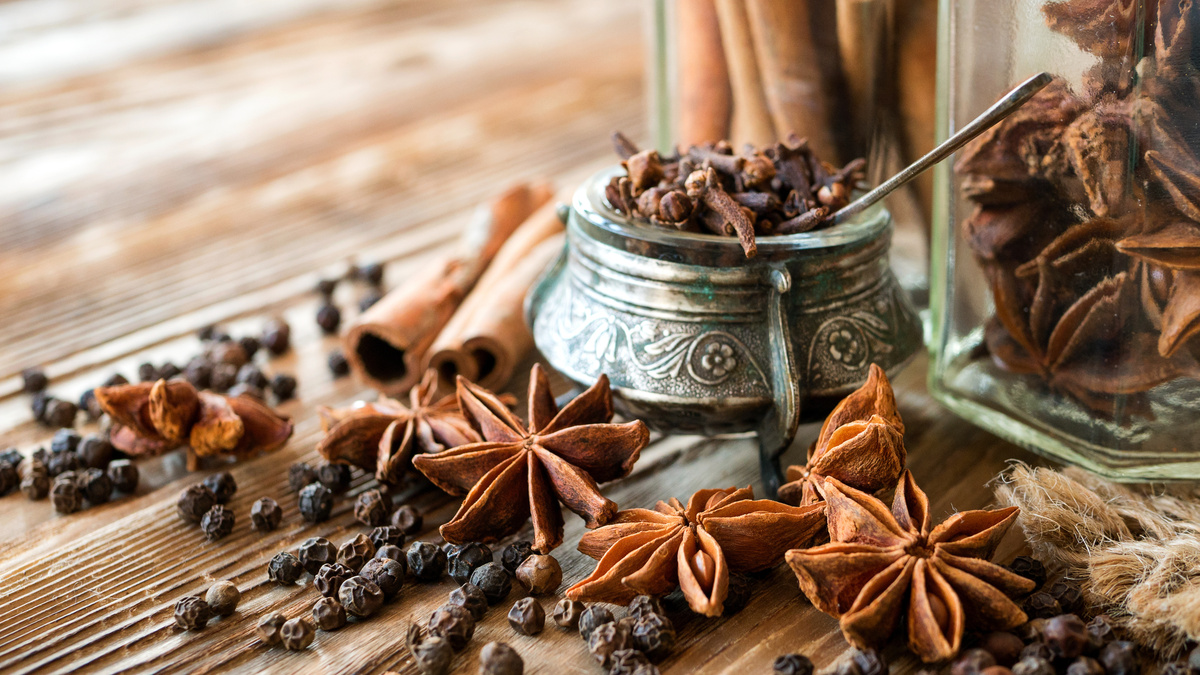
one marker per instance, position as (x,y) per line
(768,461)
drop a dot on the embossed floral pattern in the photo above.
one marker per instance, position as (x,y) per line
(718,359)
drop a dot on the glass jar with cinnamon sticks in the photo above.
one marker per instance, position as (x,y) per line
(1066,257)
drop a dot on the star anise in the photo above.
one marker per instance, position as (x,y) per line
(150,418)
(384,435)
(650,552)
(520,471)
(861,444)
(882,563)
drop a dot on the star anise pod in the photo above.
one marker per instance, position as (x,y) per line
(882,563)
(520,472)
(150,418)
(1107,28)
(861,444)
(383,436)
(649,552)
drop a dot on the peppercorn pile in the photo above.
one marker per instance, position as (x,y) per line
(780,189)
(78,470)
(329,315)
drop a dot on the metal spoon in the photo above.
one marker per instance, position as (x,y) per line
(999,110)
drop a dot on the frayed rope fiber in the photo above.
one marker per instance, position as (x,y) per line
(1134,550)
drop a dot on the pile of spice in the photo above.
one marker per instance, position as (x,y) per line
(1087,216)
(779,189)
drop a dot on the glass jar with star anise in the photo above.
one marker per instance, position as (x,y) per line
(1066,289)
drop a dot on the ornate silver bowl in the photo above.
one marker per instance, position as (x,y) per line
(697,339)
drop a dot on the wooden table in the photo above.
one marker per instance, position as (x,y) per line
(197,161)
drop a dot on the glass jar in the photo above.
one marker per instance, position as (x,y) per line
(1065,281)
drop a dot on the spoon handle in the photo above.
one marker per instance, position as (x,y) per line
(999,110)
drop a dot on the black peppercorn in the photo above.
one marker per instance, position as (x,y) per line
(223,377)
(34,380)
(466,560)
(371,508)
(566,613)
(284,568)
(315,553)
(1085,666)
(329,317)
(252,376)
(426,561)
(65,440)
(1100,632)
(316,503)
(124,475)
(223,486)
(392,552)
(1069,596)
(869,661)
(194,502)
(12,456)
(608,638)
(61,462)
(334,476)
(147,372)
(356,552)
(469,597)
(408,520)
(1038,649)
(95,452)
(247,389)
(645,604)
(1042,605)
(60,413)
(540,574)
(452,623)
(360,596)
(114,380)
(385,535)
(338,365)
(36,485)
(591,618)
(329,579)
(431,654)
(283,386)
(89,405)
(96,486)
(527,616)
(497,658)
(326,287)
(250,345)
(168,371)
(198,372)
(514,554)
(328,614)
(38,404)
(9,478)
(300,474)
(1005,647)
(1066,635)
(277,336)
(386,573)
(297,634)
(265,515)
(629,662)
(493,580)
(269,626)
(369,299)
(972,662)
(65,495)
(217,523)
(192,613)
(450,549)
(372,273)
(654,635)
(1119,658)
(793,664)
(223,598)
(1029,568)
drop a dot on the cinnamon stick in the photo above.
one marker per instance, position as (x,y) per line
(499,346)
(790,66)
(705,99)
(751,121)
(385,346)
(916,78)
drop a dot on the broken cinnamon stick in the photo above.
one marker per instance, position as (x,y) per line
(386,344)
(705,99)
(751,121)
(480,342)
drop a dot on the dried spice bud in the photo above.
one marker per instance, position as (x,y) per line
(465,560)
(385,573)
(972,662)
(315,553)
(606,639)
(217,523)
(494,581)
(645,604)
(194,502)
(541,574)
(360,597)
(454,624)
(1085,666)
(329,579)
(315,502)
(793,664)
(591,618)
(654,635)
(223,486)
(469,597)
(268,628)
(385,535)
(334,476)
(284,568)
(392,552)
(426,561)
(1029,568)
(223,598)
(567,612)
(629,662)
(371,508)
(338,365)
(328,614)
(65,440)
(65,496)
(356,552)
(1119,658)
(497,658)
(192,613)
(297,634)
(34,380)
(95,452)
(283,386)
(431,654)
(265,515)
(1005,647)
(527,616)
(514,554)
(62,462)
(1066,635)
(277,336)
(1069,596)
(1042,605)
(301,475)
(36,485)
(408,520)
